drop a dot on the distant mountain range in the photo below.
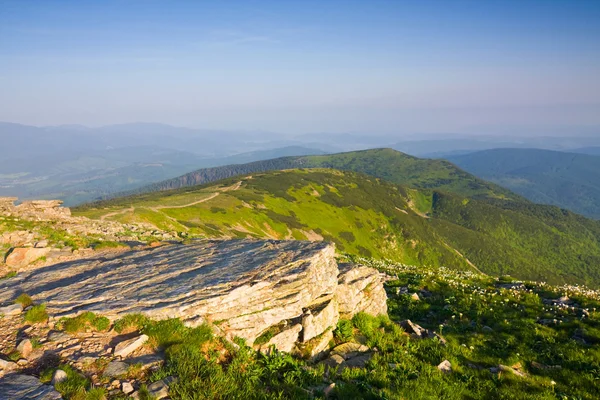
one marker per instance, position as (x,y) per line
(387,164)
(567,180)
(77,164)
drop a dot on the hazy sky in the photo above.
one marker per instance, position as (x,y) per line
(303,66)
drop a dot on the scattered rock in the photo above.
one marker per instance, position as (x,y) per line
(115,369)
(7,366)
(146,361)
(445,366)
(25,347)
(59,376)
(41,244)
(415,297)
(160,389)
(512,370)
(13,309)
(57,336)
(127,387)
(349,350)
(329,389)
(127,347)
(25,387)
(412,328)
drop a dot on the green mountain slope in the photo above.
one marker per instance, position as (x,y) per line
(566,180)
(370,217)
(387,164)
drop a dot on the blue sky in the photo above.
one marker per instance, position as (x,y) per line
(303,66)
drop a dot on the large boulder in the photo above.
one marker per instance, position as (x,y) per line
(242,286)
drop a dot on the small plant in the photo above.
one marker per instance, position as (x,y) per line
(14,356)
(9,275)
(344,331)
(84,321)
(108,244)
(131,322)
(24,300)
(35,343)
(74,386)
(37,314)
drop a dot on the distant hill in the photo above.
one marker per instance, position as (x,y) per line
(567,180)
(593,151)
(368,216)
(388,164)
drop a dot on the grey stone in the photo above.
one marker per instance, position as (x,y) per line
(160,389)
(25,347)
(445,366)
(25,387)
(358,361)
(123,349)
(411,327)
(127,388)
(59,376)
(7,366)
(57,336)
(146,361)
(115,369)
(349,350)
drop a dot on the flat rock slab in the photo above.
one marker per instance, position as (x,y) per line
(26,387)
(245,285)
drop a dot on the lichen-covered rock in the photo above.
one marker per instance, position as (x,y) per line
(360,289)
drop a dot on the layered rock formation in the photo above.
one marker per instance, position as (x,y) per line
(245,288)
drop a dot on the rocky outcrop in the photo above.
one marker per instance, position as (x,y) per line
(243,287)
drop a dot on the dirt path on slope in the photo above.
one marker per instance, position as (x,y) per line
(112,214)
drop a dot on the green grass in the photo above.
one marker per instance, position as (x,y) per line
(108,244)
(36,314)
(83,322)
(9,275)
(24,300)
(485,325)
(77,386)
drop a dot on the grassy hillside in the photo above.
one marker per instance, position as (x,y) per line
(388,164)
(370,217)
(566,180)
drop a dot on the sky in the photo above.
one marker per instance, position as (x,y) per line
(304,66)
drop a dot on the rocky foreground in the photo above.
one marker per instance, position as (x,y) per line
(284,294)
